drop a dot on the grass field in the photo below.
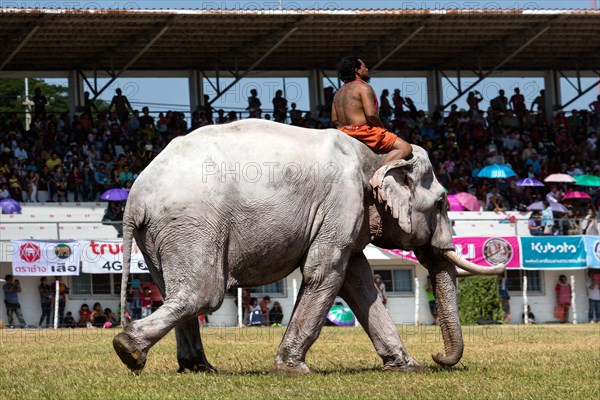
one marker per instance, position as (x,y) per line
(500,362)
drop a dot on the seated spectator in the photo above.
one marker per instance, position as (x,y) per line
(276,314)
(255,317)
(264,308)
(97,317)
(530,316)
(111,320)
(535,224)
(85,315)
(69,321)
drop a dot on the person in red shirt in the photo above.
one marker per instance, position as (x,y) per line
(517,103)
(146,301)
(563,298)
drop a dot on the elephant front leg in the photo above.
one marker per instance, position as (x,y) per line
(322,279)
(190,352)
(359,291)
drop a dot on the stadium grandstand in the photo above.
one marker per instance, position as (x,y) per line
(57,164)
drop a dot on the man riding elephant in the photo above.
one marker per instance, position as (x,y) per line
(355,112)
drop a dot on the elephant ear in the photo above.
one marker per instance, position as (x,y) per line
(392,186)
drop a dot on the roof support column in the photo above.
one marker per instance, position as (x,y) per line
(196,89)
(553,98)
(316,96)
(75,92)
(434,90)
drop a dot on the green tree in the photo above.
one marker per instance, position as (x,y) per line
(12,95)
(478,299)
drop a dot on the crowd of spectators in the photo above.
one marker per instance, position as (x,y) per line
(76,159)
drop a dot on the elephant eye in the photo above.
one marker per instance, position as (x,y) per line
(440,202)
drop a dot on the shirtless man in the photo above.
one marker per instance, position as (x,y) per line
(355,112)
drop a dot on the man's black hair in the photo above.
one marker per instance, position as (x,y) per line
(347,68)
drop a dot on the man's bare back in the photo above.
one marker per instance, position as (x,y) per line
(355,111)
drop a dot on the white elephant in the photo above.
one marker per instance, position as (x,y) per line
(246,203)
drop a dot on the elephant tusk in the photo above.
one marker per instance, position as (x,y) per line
(465,266)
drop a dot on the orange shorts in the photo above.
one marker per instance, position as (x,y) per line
(376,137)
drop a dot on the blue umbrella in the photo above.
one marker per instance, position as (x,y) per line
(10,206)
(340,315)
(115,195)
(529,182)
(496,171)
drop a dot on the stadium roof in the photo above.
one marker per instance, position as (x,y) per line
(238,40)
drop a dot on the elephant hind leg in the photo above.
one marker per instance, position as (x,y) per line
(361,295)
(195,284)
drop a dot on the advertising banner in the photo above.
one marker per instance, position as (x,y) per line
(553,252)
(485,251)
(592,249)
(106,257)
(45,258)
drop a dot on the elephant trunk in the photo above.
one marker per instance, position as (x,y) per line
(447,309)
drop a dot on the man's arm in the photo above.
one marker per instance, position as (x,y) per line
(334,117)
(367,97)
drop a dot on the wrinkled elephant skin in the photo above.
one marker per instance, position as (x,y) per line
(246,203)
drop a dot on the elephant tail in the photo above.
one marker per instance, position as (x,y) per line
(128,227)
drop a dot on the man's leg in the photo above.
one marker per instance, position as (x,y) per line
(401,150)
(20,317)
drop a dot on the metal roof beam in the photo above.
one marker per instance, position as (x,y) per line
(544,28)
(581,93)
(166,25)
(415,30)
(241,75)
(31,31)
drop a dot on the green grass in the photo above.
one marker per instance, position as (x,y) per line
(500,362)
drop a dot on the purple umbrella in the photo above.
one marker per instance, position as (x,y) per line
(10,206)
(539,206)
(529,182)
(115,195)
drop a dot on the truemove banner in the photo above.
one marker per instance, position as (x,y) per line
(553,252)
(106,257)
(486,251)
(45,258)
(592,250)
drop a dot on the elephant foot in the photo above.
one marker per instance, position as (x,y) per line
(410,366)
(290,368)
(194,365)
(133,358)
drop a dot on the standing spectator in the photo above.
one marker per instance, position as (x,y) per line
(122,106)
(380,288)
(398,102)
(88,104)
(473,100)
(431,299)
(147,125)
(39,103)
(208,110)
(134,295)
(75,183)
(295,115)
(12,288)
(146,302)
(276,314)
(547,218)
(499,103)
(517,104)
(279,107)
(385,108)
(46,296)
(63,291)
(254,110)
(539,101)
(595,107)
(33,179)
(593,285)
(563,298)
(503,285)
